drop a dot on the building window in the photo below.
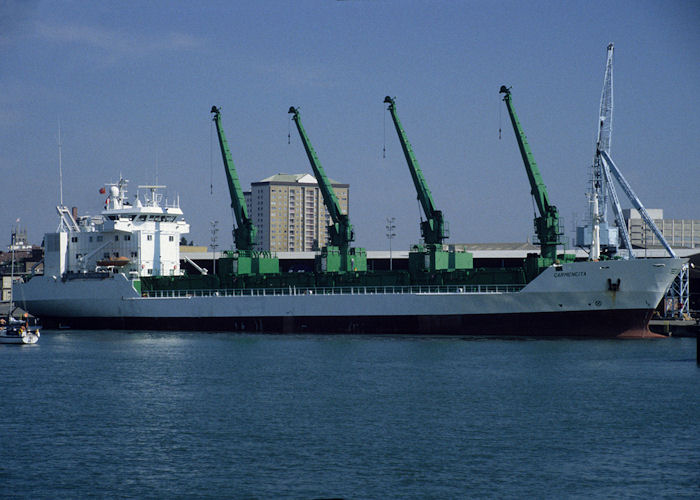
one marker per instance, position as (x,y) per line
(134,254)
(116,237)
(171,238)
(74,239)
(127,237)
(150,271)
(149,237)
(99,238)
(105,255)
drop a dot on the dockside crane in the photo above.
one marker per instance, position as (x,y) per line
(338,256)
(247,260)
(547,223)
(604,167)
(434,229)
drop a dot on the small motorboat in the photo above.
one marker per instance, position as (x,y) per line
(16,331)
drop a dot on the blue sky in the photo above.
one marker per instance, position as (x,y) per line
(132,84)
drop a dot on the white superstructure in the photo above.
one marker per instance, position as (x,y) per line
(139,238)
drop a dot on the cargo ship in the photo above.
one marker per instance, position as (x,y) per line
(121,270)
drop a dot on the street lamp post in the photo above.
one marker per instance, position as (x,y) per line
(390,227)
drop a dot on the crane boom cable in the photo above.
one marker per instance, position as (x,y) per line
(211,159)
(384,139)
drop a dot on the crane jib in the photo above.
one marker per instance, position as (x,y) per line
(245,231)
(433,229)
(547,224)
(340,232)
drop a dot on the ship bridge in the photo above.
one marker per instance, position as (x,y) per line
(140,238)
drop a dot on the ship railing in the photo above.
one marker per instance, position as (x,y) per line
(336,290)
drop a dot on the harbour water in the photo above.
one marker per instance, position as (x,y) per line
(195,415)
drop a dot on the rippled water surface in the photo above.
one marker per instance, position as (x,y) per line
(117,414)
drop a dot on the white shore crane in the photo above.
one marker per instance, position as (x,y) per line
(602,186)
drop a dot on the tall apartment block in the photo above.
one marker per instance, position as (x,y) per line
(289,213)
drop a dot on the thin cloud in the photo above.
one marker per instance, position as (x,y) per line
(304,75)
(15,19)
(117,43)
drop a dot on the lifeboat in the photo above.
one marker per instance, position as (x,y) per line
(113,261)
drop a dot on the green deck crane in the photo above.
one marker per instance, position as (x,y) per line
(434,229)
(244,233)
(547,224)
(338,256)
